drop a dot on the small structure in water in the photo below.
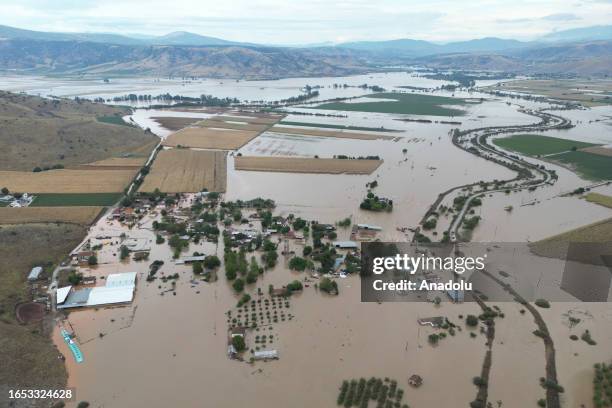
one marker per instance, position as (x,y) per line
(436,321)
(345,244)
(265,355)
(415,380)
(234,332)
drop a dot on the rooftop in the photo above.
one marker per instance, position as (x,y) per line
(35,273)
(62,294)
(345,244)
(119,288)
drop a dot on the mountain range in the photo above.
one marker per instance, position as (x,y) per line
(174,38)
(583,51)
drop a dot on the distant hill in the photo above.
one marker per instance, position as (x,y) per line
(394,47)
(185,38)
(580,34)
(175,38)
(77,57)
(10,33)
(186,54)
(484,44)
(412,48)
(590,58)
(38,132)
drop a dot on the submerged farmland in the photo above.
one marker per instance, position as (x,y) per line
(402,103)
(187,281)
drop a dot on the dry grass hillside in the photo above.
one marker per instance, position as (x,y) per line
(38,132)
(29,358)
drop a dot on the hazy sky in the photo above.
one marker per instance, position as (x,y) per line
(310,21)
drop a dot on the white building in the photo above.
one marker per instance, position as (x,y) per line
(119,289)
(345,244)
(265,355)
(35,273)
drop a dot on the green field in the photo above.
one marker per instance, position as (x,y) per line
(591,166)
(404,103)
(601,199)
(70,200)
(113,120)
(330,126)
(535,145)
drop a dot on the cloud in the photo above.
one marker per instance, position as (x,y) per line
(513,20)
(561,17)
(295,21)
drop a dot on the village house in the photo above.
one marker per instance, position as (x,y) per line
(83,256)
(278,292)
(123,214)
(234,332)
(190,259)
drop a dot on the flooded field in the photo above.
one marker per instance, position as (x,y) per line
(269,90)
(173,339)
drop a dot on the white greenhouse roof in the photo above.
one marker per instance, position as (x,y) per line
(119,288)
(106,295)
(265,354)
(62,294)
(120,279)
(35,273)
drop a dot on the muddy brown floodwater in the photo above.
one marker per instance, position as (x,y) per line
(170,350)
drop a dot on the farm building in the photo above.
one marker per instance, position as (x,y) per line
(345,244)
(62,294)
(83,256)
(369,227)
(35,273)
(137,244)
(265,355)
(123,213)
(115,280)
(88,280)
(190,259)
(237,331)
(141,256)
(119,289)
(278,292)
